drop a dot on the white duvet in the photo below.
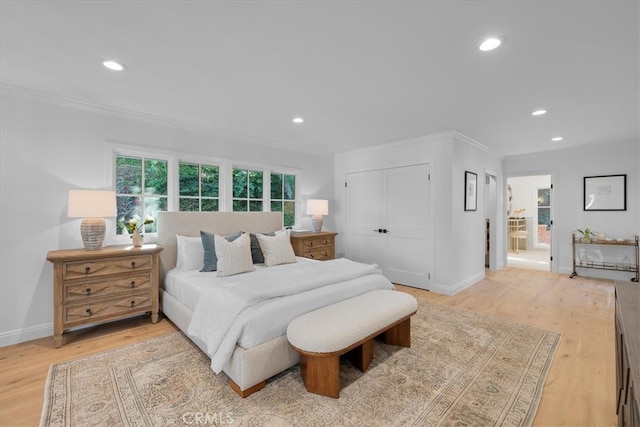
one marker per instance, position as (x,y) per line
(291,289)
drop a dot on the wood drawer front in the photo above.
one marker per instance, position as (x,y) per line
(86,313)
(86,290)
(75,270)
(321,254)
(317,243)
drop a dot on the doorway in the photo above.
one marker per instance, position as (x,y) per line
(529,223)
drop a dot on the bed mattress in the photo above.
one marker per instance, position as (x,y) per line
(268,319)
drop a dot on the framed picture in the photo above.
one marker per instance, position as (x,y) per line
(605,193)
(470,191)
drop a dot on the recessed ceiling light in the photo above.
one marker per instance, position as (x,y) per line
(539,113)
(298,120)
(491,43)
(113,65)
(557,138)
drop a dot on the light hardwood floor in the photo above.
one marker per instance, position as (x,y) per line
(580,388)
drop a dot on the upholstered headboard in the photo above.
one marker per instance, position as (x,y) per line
(223,223)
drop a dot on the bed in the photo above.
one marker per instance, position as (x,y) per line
(250,358)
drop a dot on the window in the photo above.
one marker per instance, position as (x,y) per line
(199,187)
(283,195)
(247,190)
(544,207)
(147,182)
(141,190)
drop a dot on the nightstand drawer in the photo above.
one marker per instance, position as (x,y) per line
(318,243)
(321,254)
(75,270)
(93,289)
(96,311)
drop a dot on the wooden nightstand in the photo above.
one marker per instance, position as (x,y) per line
(319,246)
(111,283)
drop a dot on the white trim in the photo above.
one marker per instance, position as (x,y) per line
(452,134)
(17,336)
(452,290)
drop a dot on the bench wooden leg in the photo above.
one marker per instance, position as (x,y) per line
(362,355)
(400,334)
(321,375)
(244,393)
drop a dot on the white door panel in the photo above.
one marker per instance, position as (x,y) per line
(395,200)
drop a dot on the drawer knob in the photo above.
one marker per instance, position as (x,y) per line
(133,302)
(312,256)
(133,264)
(310,243)
(87,270)
(133,283)
(87,291)
(88,310)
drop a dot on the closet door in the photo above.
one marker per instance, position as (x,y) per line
(365,205)
(388,222)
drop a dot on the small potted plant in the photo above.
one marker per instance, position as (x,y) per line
(587,234)
(134,227)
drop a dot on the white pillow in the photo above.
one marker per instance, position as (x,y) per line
(190,252)
(233,257)
(277,249)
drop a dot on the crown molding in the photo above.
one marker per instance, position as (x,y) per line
(69,102)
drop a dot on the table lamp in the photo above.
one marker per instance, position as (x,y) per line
(317,208)
(93,206)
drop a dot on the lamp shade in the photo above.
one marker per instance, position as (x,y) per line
(91,204)
(317,207)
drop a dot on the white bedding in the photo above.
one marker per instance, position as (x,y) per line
(252,308)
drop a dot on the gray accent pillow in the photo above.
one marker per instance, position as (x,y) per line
(210,261)
(256,251)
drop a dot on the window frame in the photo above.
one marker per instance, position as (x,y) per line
(225,185)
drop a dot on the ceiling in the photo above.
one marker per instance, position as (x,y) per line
(361,73)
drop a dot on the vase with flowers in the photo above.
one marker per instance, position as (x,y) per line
(134,227)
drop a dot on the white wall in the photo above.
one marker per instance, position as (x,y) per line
(568,168)
(458,235)
(46,149)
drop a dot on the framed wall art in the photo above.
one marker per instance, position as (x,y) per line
(470,191)
(605,193)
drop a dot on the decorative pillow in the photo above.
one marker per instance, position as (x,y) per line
(190,252)
(233,257)
(210,260)
(277,249)
(256,253)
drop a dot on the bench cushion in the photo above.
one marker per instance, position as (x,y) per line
(337,326)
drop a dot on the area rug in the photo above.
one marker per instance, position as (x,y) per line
(463,369)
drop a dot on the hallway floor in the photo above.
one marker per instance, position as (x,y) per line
(534,259)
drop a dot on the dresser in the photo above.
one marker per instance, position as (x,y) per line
(91,287)
(320,246)
(627,353)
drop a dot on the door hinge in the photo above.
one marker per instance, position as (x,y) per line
(551,258)
(428,177)
(345,184)
(551,222)
(552,186)
(429,276)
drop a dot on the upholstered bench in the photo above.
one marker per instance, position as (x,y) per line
(348,326)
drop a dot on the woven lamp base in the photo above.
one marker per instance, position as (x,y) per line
(92,231)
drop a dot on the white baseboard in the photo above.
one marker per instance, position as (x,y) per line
(452,290)
(26,334)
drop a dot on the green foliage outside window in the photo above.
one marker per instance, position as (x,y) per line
(133,175)
(247,190)
(283,194)
(199,187)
